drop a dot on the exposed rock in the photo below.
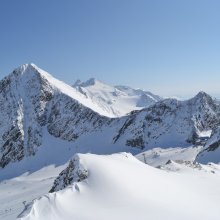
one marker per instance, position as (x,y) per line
(75,172)
(170,123)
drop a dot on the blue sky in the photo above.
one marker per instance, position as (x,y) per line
(168,47)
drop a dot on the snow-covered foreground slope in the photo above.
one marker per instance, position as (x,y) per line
(17,192)
(119,186)
(116,101)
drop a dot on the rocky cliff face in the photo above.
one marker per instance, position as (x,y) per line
(211,152)
(170,122)
(23,96)
(69,119)
(74,172)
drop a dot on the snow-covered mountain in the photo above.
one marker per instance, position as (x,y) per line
(129,189)
(38,111)
(116,101)
(45,121)
(31,99)
(171,123)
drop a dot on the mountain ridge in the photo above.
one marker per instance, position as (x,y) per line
(30,99)
(33,102)
(117,101)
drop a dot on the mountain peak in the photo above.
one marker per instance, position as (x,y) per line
(89,82)
(202,96)
(28,67)
(30,70)
(77,83)
(25,67)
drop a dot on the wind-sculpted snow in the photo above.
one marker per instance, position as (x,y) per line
(121,187)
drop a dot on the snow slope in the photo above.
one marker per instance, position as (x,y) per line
(15,193)
(116,101)
(211,152)
(119,186)
(27,71)
(159,156)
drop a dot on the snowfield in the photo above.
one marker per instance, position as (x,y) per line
(159,156)
(119,186)
(15,193)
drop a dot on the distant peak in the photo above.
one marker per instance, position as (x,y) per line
(202,94)
(77,83)
(25,67)
(31,65)
(89,82)
(121,87)
(202,97)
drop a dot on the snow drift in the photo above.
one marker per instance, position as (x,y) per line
(119,186)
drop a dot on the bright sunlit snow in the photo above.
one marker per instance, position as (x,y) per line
(44,122)
(121,187)
(115,101)
(15,193)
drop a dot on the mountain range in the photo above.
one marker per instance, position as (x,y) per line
(45,121)
(34,104)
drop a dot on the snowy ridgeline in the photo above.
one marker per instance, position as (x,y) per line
(116,101)
(35,107)
(119,186)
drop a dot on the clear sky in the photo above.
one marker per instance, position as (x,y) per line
(170,47)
